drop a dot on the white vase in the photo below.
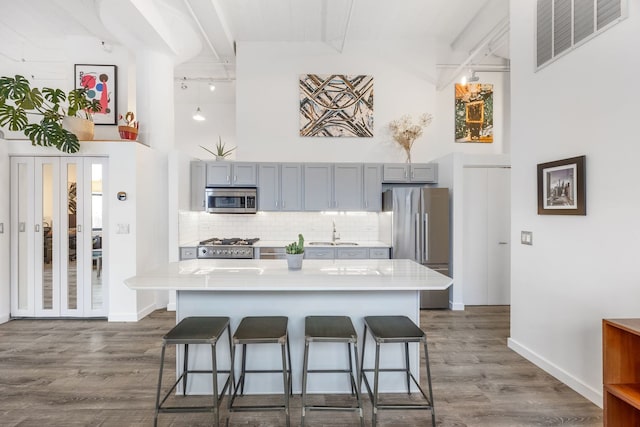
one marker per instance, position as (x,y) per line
(82,128)
(294,261)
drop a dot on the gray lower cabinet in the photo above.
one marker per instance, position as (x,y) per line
(352,253)
(379,253)
(188,252)
(319,253)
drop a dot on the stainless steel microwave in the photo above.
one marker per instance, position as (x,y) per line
(230,200)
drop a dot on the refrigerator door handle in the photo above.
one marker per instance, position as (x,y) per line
(417,254)
(425,239)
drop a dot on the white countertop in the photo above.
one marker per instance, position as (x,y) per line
(273,275)
(326,244)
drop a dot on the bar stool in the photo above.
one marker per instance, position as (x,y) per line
(261,330)
(338,329)
(195,330)
(395,329)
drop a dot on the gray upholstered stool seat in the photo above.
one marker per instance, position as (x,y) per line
(195,330)
(395,329)
(338,329)
(261,330)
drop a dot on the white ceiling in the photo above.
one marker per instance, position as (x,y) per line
(27,26)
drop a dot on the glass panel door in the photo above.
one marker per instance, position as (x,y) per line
(22,261)
(47,230)
(95,291)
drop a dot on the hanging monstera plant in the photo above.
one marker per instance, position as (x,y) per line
(19,102)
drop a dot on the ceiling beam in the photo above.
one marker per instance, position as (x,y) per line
(347,25)
(224,24)
(202,32)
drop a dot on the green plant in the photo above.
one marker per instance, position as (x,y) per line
(18,100)
(296,247)
(220,149)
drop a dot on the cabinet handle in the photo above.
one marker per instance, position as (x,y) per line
(228,179)
(413,174)
(276,203)
(22,227)
(37,228)
(405,174)
(283,204)
(502,243)
(235,178)
(79,227)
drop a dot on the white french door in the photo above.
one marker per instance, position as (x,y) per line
(57,220)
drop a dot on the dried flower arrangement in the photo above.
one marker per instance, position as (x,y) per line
(405,131)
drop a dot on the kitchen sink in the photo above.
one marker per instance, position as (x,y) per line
(332,244)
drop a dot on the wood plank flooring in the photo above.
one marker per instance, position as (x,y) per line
(95,373)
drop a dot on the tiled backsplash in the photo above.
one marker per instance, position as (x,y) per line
(352,226)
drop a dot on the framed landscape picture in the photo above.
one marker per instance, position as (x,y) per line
(100,81)
(561,187)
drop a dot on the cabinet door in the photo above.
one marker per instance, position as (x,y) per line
(291,187)
(379,253)
(424,173)
(318,187)
(218,173)
(395,173)
(198,184)
(244,174)
(352,253)
(347,185)
(372,188)
(268,187)
(319,253)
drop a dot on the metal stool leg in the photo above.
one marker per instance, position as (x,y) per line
(364,343)
(243,368)
(433,410)
(155,418)
(285,383)
(350,366)
(289,370)
(185,369)
(305,365)
(407,366)
(214,374)
(356,386)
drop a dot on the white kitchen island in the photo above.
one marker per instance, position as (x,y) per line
(239,288)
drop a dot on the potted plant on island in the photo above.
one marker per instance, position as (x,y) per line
(295,253)
(18,100)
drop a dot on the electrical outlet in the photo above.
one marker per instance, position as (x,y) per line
(526,238)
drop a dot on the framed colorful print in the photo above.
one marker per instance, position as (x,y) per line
(561,187)
(474,112)
(100,81)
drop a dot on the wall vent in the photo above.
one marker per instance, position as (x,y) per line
(563,25)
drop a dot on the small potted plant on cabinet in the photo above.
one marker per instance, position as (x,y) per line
(295,253)
(18,100)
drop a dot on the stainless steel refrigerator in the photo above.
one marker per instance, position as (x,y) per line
(420,231)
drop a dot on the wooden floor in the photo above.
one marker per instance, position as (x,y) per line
(91,372)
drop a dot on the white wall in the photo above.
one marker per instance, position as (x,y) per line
(267,99)
(5,259)
(580,269)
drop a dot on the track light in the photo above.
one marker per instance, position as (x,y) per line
(212,87)
(198,116)
(472,78)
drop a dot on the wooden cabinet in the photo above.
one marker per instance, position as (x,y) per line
(621,372)
(372,184)
(231,174)
(426,173)
(279,187)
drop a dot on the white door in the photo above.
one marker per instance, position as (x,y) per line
(486,247)
(57,262)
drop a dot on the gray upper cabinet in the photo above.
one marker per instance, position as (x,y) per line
(231,174)
(419,173)
(347,186)
(318,186)
(372,188)
(198,183)
(279,187)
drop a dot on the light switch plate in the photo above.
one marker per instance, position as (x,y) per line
(1,227)
(122,229)
(526,238)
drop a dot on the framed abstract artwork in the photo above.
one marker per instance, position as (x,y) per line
(474,112)
(100,82)
(561,187)
(336,105)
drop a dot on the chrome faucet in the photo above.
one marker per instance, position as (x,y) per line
(334,234)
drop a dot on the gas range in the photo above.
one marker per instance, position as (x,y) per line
(216,248)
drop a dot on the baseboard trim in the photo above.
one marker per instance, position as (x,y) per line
(132,317)
(4,318)
(171,306)
(576,384)
(456,306)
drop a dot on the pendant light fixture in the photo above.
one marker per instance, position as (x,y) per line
(198,116)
